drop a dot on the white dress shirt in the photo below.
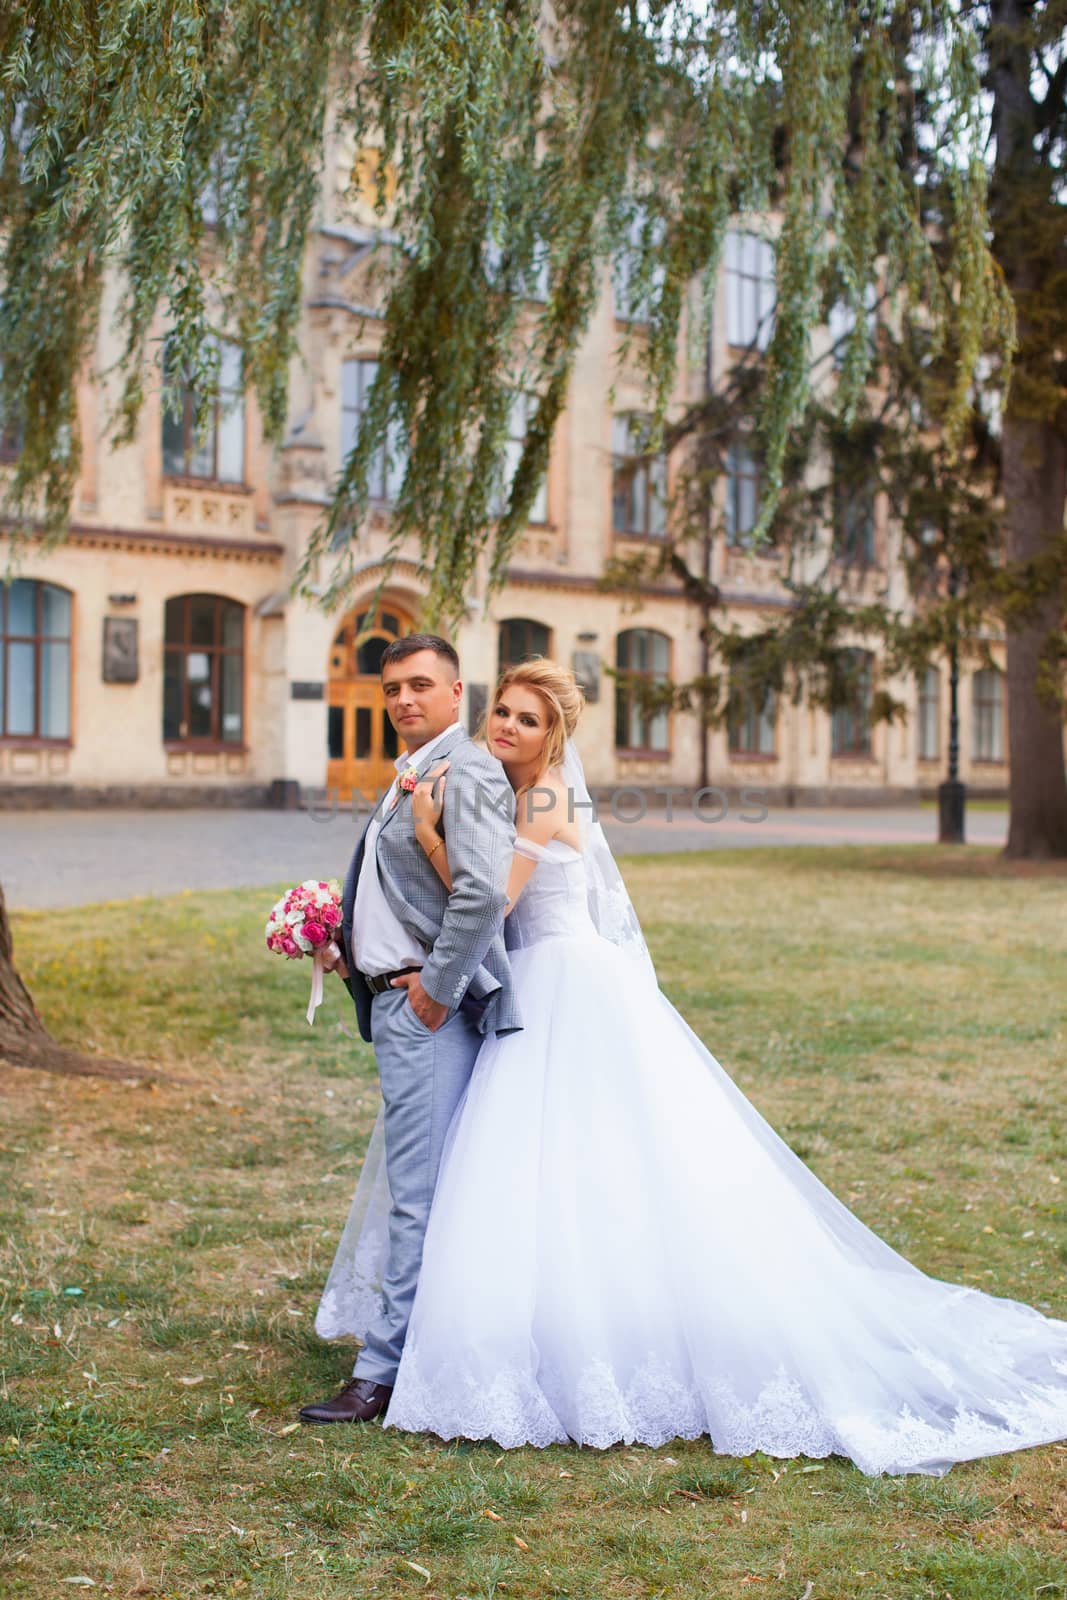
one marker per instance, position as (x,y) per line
(379,940)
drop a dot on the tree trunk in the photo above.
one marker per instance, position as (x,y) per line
(25,1041)
(1035,489)
(1028,242)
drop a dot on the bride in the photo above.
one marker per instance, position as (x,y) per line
(620,1247)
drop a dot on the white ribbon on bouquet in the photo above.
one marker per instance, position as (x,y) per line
(317,970)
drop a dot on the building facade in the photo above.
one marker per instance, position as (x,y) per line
(159,657)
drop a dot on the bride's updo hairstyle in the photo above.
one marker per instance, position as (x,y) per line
(559,690)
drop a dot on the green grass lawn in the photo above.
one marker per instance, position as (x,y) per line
(985,803)
(900,1015)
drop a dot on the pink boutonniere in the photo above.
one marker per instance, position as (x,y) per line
(408,779)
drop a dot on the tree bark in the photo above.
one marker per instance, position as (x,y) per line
(24,1039)
(1029,245)
(1035,490)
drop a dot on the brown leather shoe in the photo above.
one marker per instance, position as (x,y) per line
(361,1400)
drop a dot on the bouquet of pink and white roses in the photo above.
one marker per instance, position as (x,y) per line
(303,923)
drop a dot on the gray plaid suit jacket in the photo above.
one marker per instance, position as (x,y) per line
(462,932)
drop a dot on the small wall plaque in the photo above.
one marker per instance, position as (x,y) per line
(120,655)
(306,691)
(586,666)
(477,700)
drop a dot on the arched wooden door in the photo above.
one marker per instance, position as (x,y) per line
(362,742)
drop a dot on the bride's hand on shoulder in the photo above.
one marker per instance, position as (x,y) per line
(428,797)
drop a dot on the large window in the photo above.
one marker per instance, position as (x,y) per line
(842,320)
(851,724)
(742,494)
(642,656)
(521,638)
(219,453)
(750,290)
(988,715)
(34,660)
(203,670)
(533,284)
(520,415)
(853,509)
(638,480)
(751,722)
(10,442)
(636,289)
(217,200)
(387,469)
(930,715)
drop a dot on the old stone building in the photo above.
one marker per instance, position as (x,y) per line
(158,655)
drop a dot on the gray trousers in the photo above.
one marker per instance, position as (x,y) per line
(423,1077)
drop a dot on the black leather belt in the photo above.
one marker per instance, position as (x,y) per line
(384,980)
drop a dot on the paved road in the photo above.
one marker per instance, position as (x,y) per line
(67,858)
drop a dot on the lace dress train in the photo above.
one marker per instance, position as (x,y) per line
(621,1248)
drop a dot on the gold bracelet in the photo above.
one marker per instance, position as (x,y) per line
(437,846)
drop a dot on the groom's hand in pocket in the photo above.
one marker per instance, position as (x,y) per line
(430,1012)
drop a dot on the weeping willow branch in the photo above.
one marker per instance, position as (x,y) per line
(518,132)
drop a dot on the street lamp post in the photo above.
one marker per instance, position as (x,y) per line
(952,794)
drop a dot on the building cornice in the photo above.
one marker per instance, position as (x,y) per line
(336,302)
(152,542)
(653,591)
(549,579)
(762,602)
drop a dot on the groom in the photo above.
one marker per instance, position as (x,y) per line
(427,970)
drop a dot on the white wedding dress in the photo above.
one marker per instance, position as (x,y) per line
(621,1248)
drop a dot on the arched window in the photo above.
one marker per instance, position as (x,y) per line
(642,659)
(521,638)
(203,670)
(34,660)
(851,725)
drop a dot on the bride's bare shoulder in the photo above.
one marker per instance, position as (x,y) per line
(559,818)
